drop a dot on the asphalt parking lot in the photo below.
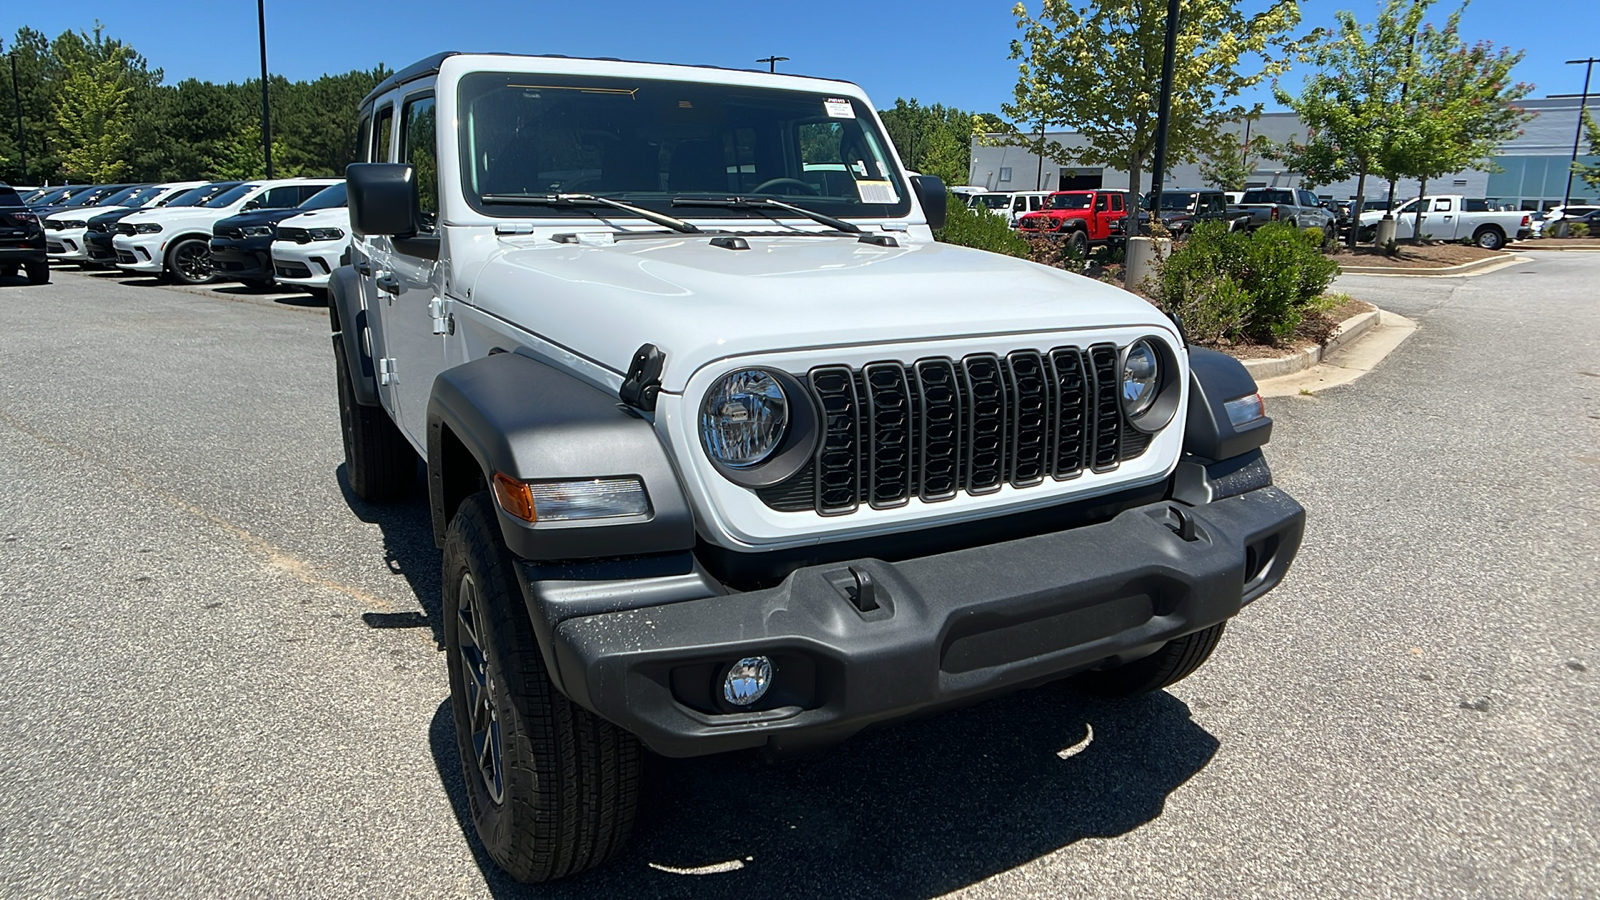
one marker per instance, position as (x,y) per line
(221,675)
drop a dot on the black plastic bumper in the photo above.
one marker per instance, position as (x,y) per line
(12,254)
(947,629)
(243,258)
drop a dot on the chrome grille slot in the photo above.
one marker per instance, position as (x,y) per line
(1030,417)
(1072,400)
(888,397)
(838,470)
(939,437)
(986,424)
(1107,439)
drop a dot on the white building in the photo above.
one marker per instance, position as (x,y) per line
(1534,165)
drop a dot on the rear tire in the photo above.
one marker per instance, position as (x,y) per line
(38,272)
(553,788)
(1175,661)
(379,464)
(1489,238)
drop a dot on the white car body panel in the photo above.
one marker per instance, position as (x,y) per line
(319,257)
(150,249)
(71,239)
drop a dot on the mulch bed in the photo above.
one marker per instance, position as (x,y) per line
(1586,243)
(1314,330)
(1411,256)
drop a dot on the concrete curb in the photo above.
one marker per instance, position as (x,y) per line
(1347,361)
(1555,249)
(1348,330)
(1419,272)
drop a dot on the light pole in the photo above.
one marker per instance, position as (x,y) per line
(772,62)
(16,99)
(1163,113)
(1589,68)
(266,109)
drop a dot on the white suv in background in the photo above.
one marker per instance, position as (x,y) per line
(308,247)
(1012,205)
(177,241)
(65,230)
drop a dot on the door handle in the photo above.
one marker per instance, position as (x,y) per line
(388,283)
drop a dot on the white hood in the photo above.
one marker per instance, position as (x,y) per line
(320,218)
(699,303)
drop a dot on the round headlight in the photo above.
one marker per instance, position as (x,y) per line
(743,418)
(1141,376)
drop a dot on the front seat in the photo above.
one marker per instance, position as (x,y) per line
(697,168)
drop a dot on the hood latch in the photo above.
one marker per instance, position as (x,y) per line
(643,381)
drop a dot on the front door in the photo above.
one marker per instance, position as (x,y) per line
(1439,224)
(414,319)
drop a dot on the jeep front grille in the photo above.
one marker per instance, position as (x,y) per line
(937,427)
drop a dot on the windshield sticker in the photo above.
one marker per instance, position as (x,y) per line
(838,109)
(877,192)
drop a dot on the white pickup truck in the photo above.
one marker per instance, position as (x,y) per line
(1452,218)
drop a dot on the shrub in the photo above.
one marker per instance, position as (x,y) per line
(980,229)
(1578,229)
(1256,286)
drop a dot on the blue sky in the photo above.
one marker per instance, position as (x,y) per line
(939,51)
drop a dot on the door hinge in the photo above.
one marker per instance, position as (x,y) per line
(436,311)
(386,370)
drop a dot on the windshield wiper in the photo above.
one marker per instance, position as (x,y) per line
(768,203)
(675,224)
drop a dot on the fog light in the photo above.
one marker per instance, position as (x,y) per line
(747,680)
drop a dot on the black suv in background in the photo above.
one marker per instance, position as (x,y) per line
(1182,210)
(21,239)
(241,246)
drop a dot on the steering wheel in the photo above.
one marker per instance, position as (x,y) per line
(804,188)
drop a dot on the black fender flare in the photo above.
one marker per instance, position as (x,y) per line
(1214,379)
(513,415)
(348,316)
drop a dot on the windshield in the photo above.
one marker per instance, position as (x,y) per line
(1069,201)
(229,197)
(49,198)
(88,197)
(138,197)
(992,201)
(1176,201)
(331,197)
(198,196)
(1269,197)
(120,198)
(647,142)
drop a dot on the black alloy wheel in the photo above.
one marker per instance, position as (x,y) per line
(478,682)
(189,261)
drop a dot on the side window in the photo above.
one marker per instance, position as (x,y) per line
(1019,204)
(382,135)
(1116,203)
(1102,202)
(420,150)
(1441,205)
(1036,203)
(285,197)
(364,138)
(307,191)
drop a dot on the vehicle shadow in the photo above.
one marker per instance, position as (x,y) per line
(914,810)
(408,551)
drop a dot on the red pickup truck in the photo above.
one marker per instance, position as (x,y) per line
(1082,218)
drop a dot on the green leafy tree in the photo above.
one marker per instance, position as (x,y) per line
(1590,172)
(92,104)
(242,157)
(1349,104)
(1097,71)
(937,139)
(1227,165)
(35,87)
(1462,106)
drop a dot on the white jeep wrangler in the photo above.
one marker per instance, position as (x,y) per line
(725,452)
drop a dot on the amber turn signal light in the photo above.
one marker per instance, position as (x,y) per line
(515,497)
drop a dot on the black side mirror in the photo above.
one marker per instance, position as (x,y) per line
(931,194)
(383,199)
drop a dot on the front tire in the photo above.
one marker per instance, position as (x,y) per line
(1175,661)
(1489,238)
(1078,245)
(189,261)
(553,788)
(378,462)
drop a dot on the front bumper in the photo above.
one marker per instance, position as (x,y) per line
(98,249)
(242,258)
(309,264)
(947,629)
(67,245)
(138,252)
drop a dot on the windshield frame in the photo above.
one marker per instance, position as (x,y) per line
(1050,202)
(874,143)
